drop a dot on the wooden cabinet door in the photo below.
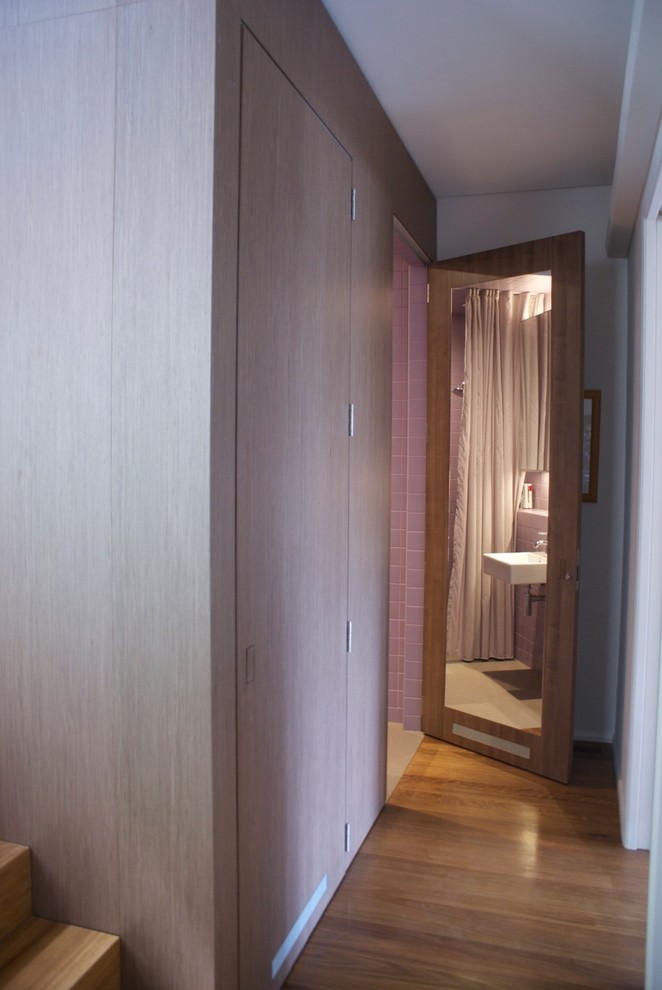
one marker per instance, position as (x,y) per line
(547,751)
(292,517)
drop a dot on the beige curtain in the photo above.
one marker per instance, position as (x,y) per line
(535,359)
(480,609)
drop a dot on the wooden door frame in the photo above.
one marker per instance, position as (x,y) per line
(563,256)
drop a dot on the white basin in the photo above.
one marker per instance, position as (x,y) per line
(525,567)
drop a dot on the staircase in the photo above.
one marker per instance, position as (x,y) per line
(36,954)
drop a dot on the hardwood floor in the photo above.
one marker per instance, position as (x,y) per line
(479,875)
(401,747)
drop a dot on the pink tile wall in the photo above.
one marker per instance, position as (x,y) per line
(396,664)
(416,442)
(540,482)
(407,488)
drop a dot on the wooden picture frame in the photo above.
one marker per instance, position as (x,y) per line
(591,444)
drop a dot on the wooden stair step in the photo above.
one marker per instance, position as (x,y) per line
(21,939)
(61,957)
(15,886)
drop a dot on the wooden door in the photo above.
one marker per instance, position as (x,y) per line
(292,517)
(549,751)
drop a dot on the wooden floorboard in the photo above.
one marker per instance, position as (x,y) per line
(479,875)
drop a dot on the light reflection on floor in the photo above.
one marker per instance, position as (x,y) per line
(402,744)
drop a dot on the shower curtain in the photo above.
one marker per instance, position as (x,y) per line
(480,609)
(535,365)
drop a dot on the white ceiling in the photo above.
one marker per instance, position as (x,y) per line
(496,96)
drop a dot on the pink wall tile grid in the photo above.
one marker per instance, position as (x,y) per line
(408,488)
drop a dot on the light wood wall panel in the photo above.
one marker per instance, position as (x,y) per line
(369,497)
(57,717)
(30,11)
(301,37)
(160,499)
(223,487)
(292,516)
(105,441)
(9,14)
(21,12)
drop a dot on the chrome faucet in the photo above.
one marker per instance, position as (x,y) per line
(540,546)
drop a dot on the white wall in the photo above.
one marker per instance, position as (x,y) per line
(640,764)
(468,224)
(642,624)
(636,714)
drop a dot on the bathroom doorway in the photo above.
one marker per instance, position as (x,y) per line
(544,748)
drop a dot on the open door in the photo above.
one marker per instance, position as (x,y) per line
(545,747)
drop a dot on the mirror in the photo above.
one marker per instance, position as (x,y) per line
(498,501)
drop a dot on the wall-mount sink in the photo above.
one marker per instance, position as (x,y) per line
(523,567)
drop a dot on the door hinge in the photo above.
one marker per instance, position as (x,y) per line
(350,420)
(427,293)
(348,832)
(349,636)
(353,204)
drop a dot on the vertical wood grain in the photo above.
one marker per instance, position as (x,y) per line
(292,514)
(223,429)
(304,41)
(57,717)
(105,441)
(565,486)
(369,494)
(9,15)
(31,11)
(160,498)
(301,38)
